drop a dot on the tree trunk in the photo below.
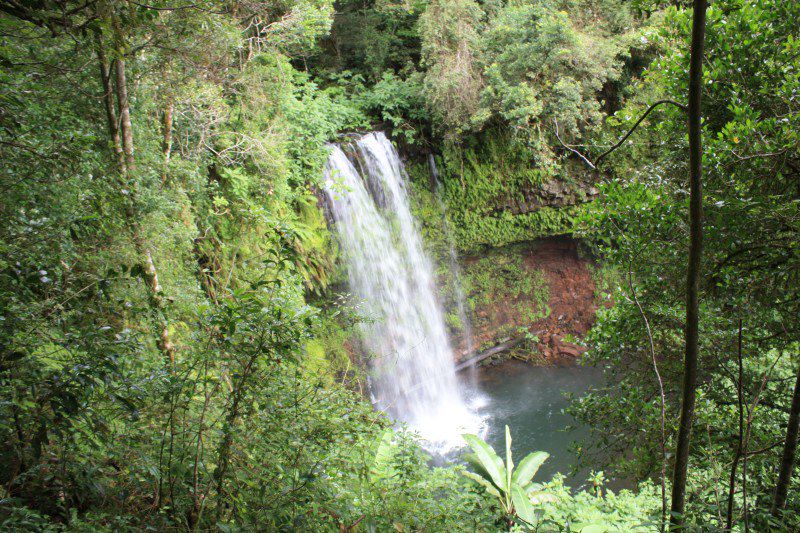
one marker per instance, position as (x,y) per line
(167,143)
(149,273)
(124,111)
(693,270)
(156,298)
(789,448)
(224,454)
(108,102)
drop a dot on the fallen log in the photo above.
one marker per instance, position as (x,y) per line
(494,350)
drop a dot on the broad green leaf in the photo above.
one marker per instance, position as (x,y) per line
(522,504)
(528,467)
(488,458)
(501,467)
(490,488)
(476,464)
(382,463)
(592,528)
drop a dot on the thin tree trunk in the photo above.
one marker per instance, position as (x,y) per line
(789,448)
(149,273)
(224,454)
(124,111)
(156,297)
(662,397)
(751,411)
(693,270)
(193,515)
(108,102)
(745,446)
(169,110)
(740,444)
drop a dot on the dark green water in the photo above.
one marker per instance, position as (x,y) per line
(531,401)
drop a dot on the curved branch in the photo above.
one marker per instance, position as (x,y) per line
(630,131)
(573,150)
(623,138)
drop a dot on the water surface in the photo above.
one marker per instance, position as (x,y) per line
(531,401)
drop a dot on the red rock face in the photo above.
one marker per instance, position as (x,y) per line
(571,302)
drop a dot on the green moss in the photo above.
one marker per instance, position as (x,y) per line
(490,171)
(473,231)
(479,181)
(503,277)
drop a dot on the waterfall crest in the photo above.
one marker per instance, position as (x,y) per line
(412,365)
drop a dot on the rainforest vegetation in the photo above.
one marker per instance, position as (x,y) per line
(176,344)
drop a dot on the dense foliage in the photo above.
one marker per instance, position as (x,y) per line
(749,336)
(172,355)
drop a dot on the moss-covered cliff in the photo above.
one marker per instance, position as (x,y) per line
(510,222)
(495,192)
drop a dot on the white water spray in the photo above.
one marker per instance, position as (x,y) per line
(413,372)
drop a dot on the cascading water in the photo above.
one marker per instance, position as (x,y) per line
(413,372)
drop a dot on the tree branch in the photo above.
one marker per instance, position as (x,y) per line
(619,143)
(573,150)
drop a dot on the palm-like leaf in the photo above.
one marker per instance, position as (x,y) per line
(512,487)
(528,468)
(509,461)
(488,459)
(522,505)
(477,465)
(488,485)
(382,462)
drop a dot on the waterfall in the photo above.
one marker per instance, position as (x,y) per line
(412,370)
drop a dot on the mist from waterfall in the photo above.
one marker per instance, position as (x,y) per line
(412,369)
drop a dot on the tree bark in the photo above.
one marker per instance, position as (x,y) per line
(693,270)
(789,448)
(124,111)
(149,273)
(169,110)
(108,102)
(662,396)
(231,419)
(156,297)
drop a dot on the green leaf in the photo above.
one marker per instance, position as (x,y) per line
(487,457)
(538,497)
(382,463)
(522,504)
(490,488)
(509,461)
(477,465)
(528,467)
